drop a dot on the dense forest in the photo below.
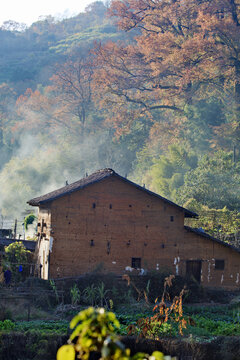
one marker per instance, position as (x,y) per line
(149,88)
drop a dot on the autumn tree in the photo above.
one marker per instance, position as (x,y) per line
(73,86)
(65,104)
(39,112)
(183,51)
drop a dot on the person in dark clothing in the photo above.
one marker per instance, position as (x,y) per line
(7,276)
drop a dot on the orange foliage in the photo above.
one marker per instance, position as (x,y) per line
(64,104)
(40,111)
(164,313)
(73,86)
(185,49)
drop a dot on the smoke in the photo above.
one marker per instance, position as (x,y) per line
(38,167)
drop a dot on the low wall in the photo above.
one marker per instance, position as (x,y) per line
(35,346)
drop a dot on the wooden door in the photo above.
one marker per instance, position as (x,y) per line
(193,269)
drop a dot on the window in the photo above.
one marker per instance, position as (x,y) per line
(219,264)
(136,263)
(171,218)
(93,205)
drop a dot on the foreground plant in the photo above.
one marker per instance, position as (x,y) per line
(168,314)
(94,332)
(75,295)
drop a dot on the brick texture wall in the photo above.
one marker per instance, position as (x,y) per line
(109,224)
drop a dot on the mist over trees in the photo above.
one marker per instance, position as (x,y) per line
(149,88)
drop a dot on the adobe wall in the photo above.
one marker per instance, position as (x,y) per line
(111,222)
(44,236)
(125,223)
(199,247)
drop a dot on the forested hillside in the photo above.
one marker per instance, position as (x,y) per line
(149,88)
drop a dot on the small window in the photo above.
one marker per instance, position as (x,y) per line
(93,205)
(130,205)
(110,206)
(171,218)
(136,263)
(219,264)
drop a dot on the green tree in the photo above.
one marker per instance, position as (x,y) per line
(222,223)
(16,255)
(215,182)
(166,174)
(202,117)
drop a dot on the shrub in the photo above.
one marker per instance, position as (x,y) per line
(16,259)
(166,317)
(94,331)
(7,325)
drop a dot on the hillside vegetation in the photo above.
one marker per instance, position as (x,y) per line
(151,89)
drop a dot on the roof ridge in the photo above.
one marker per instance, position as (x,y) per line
(95,177)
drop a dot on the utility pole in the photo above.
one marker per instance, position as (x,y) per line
(15,229)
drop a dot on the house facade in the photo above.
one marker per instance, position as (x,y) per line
(104,220)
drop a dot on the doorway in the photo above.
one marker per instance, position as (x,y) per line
(193,269)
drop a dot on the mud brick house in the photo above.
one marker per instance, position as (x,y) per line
(106,219)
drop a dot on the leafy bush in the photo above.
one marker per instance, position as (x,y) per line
(16,255)
(7,325)
(94,331)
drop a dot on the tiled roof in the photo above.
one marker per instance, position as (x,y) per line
(92,179)
(80,184)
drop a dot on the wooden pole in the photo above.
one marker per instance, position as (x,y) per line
(15,229)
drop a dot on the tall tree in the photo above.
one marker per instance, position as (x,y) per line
(215,182)
(72,84)
(66,104)
(183,49)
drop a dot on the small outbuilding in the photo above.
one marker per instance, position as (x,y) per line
(105,220)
